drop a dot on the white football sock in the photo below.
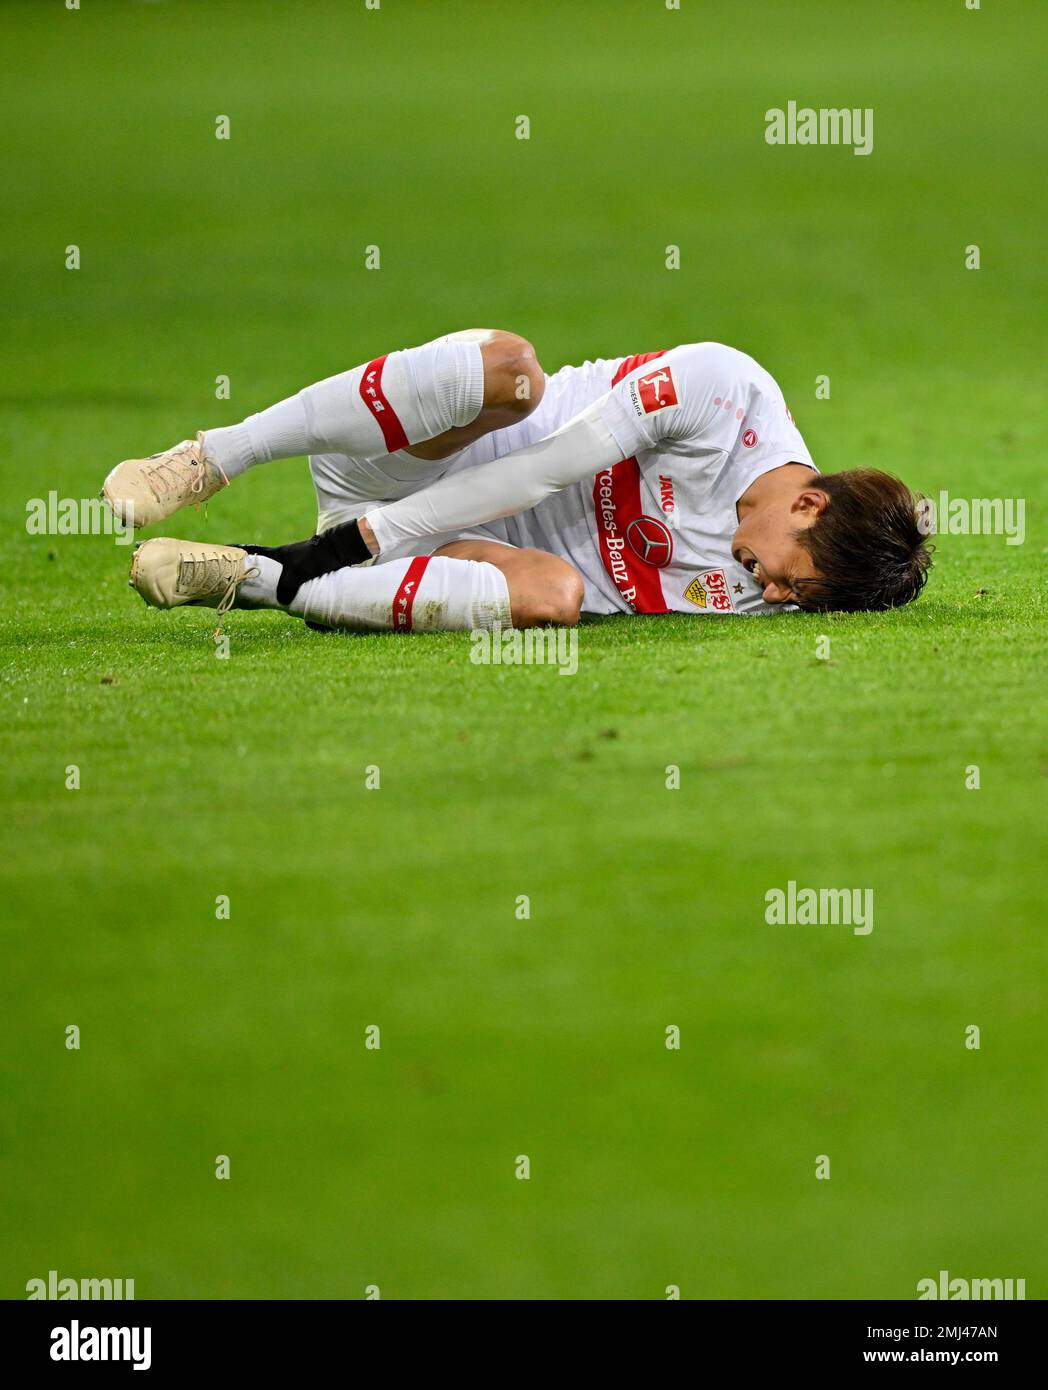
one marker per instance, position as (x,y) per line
(400,399)
(259,589)
(511,484)
(422,594)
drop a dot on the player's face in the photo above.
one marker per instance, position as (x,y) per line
(766,544)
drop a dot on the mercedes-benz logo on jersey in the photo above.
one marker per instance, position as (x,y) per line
(651,540)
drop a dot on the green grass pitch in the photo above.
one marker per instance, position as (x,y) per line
(395,907)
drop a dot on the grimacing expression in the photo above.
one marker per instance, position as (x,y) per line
(765,543)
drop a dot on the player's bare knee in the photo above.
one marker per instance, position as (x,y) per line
(571,592)
(514,381)
(552,595)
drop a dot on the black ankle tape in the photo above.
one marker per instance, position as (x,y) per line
(344,544)
(305,560)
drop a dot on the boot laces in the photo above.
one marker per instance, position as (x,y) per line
(206,575)
(183,464)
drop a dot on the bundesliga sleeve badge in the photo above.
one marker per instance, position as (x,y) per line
(653,391)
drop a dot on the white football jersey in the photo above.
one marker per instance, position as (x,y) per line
(652,534)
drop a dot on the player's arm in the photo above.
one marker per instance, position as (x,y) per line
(514,483)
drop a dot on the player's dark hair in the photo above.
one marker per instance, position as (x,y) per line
(867,546)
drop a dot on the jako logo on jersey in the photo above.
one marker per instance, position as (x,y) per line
(653,392)
(651,540)
(749,438)
(710,590)
(666,494)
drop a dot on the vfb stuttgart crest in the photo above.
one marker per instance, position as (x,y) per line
(710,590)
(651,540)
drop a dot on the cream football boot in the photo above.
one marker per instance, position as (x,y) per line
(142,492)
(168,573)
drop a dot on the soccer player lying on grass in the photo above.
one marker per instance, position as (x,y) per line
(460,486)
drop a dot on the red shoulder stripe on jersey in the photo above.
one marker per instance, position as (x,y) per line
(373,396)
(616,501)
(404,599)
(637,360)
